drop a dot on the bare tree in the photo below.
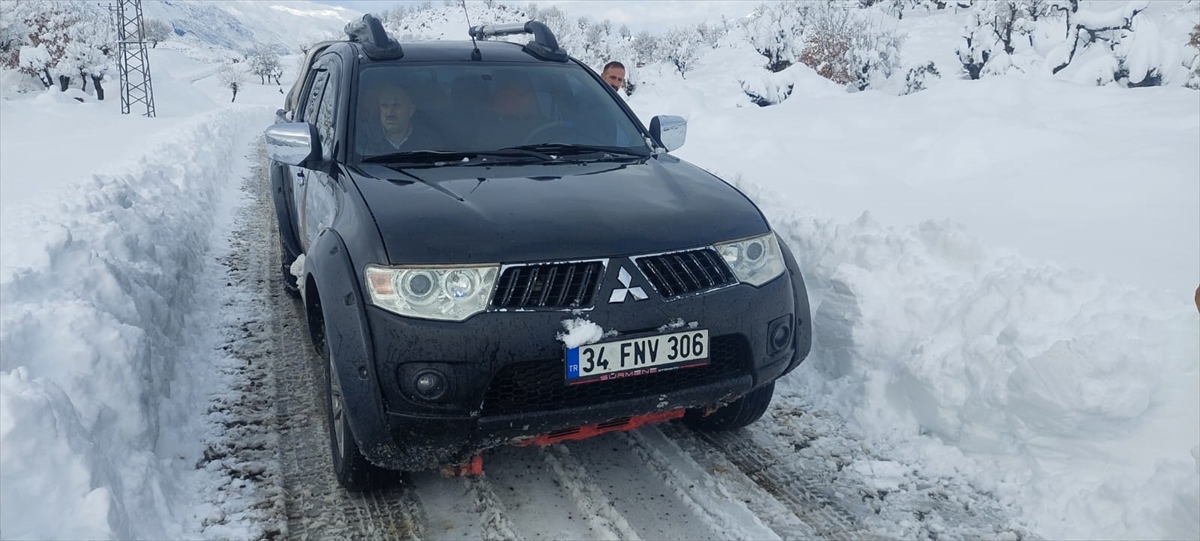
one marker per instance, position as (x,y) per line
(233,77)
(156,31)
(263,63)
(679,47)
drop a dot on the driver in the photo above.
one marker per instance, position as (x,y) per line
(515,112)
(396,127)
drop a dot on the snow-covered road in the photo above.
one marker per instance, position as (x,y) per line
(155,383)
(794,475)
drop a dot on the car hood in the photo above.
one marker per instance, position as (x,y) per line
(551,211)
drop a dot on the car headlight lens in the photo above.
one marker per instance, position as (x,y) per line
(445,293)
(753,261)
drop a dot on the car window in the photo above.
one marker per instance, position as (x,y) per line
(327,114)
(481,107)
(314,96)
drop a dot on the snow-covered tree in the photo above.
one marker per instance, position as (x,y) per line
(1194,64)
(50,29)
(233,77)
(155,31)
(994,34)
(915,80)
(14,34)
(34,60)
(710,35)
(263,62)
(680,47)
(57,42)
(644,47)
(90,53)
(776,32)
(1105,31)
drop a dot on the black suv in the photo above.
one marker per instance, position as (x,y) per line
(492,249)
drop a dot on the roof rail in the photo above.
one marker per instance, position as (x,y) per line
(544,44)
(376,43)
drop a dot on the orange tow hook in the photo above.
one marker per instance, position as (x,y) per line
(470,468)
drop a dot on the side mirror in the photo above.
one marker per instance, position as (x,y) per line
(669,130)
(294,143)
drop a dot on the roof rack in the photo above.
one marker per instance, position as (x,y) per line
(374,39)
(544,44)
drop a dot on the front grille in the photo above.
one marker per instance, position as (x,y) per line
(683,273)
(541,385)
(559,285)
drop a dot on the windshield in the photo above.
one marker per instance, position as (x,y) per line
(477,108)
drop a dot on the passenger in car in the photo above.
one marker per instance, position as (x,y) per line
(395,127)
(515,112)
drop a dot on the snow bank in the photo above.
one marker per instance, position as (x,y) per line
(991,291)
(96,286)
(1083,392)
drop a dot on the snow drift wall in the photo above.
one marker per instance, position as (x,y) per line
(1079,392)
(91,330)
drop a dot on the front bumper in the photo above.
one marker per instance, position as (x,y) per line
(505,370)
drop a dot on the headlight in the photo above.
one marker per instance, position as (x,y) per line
(754,261)
(446,293)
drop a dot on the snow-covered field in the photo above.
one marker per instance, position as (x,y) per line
(1001,274)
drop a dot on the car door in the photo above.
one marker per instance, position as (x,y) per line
(308,112)
(319,196)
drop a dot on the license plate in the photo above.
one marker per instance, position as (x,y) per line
(637,356)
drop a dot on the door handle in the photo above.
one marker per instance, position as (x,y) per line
(300,177)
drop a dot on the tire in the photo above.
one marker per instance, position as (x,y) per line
(737,414)
(286,259)
(352,470)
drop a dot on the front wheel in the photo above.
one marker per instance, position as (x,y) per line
(734,415)
(351,468)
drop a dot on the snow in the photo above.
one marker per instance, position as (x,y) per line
(104,357)
(96,286)
(580,332)
(1001,276)
(987,274)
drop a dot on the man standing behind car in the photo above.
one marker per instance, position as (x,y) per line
(614,75)
(393,129)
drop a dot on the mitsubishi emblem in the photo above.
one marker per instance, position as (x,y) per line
(618,294)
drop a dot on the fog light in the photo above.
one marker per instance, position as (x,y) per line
(430,385)
(779,333)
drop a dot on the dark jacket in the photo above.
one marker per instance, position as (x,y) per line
(372,141)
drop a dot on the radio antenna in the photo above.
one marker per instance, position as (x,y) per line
(475,54)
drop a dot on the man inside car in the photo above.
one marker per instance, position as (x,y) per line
(515,112)
(394,128)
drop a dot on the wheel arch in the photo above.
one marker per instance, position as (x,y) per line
(803,312)
(334,304)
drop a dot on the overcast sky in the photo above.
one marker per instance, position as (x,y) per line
(652,15)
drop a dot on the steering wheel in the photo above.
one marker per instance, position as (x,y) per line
(543,129)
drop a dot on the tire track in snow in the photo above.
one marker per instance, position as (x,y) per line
(605,520)
(713,501)
(244,445)
(524,494)
(316,507)
(652,497)
(809,498)
(737,485)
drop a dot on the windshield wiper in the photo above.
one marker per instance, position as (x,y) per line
(418,156)
(444,157)
(567,149)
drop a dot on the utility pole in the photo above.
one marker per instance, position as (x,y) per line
(134,62)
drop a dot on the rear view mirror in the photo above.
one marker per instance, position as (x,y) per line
(669,130)
(294,143)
